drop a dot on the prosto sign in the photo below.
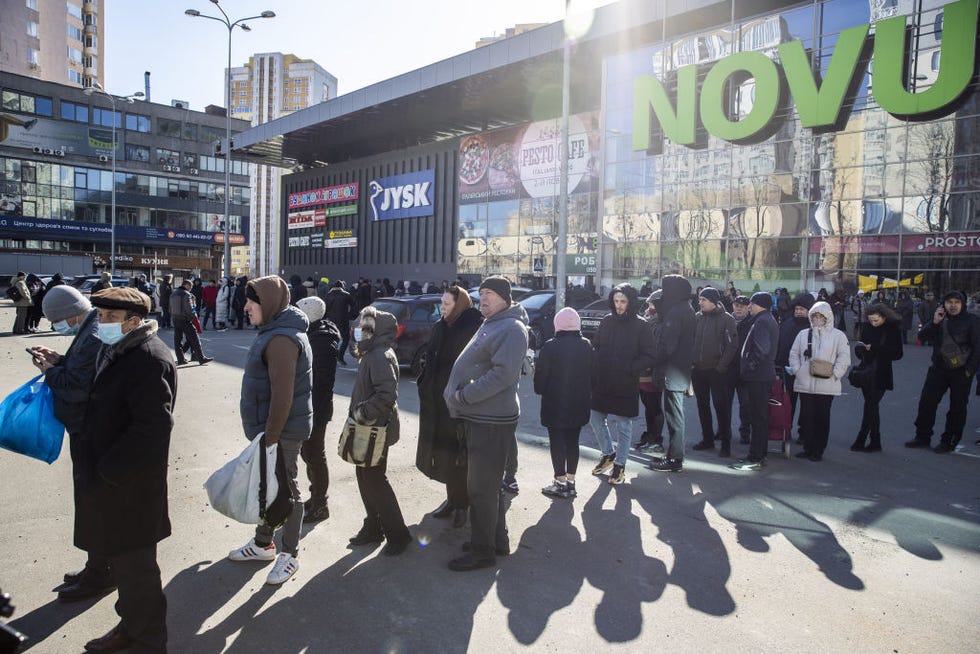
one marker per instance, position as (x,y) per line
(820,104)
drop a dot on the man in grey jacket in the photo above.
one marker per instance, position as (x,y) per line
(182,312)
(713,375)
(482,392)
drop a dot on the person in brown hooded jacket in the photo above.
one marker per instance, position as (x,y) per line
(277,400)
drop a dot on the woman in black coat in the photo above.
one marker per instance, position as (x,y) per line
(881,343)
(563,379)
(906,311)
(440,454)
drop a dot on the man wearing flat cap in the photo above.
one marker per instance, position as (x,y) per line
(482,391)
(121,474)
(69,376)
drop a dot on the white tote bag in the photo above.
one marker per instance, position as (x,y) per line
(233,490)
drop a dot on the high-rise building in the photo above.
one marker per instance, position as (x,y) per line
(57,41)
(271,85)
(510,32)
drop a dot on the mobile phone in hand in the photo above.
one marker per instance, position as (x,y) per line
(33,354)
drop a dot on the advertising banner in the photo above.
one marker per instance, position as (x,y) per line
(325,195)
(403,196)
(54,136)
(37,228)
(960,243)
(306,219)
(522,162)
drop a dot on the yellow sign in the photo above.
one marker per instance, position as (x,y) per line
(341,233)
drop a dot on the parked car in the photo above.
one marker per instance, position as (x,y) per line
(591,315)
(84,283)
(540,308)
(415,314)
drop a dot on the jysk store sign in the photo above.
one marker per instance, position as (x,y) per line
(821,104)
(403,196)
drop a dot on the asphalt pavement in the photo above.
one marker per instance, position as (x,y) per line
(857,553)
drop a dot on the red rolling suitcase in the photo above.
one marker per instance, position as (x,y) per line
(780,415)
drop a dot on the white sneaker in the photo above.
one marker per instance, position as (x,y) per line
(285,567)
(252,552)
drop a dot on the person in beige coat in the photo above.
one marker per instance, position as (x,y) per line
(24,304)
(821,342)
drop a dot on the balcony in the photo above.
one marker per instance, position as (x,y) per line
(89,51)
(90,30)
(90,7)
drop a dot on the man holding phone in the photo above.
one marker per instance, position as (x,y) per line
(955,335)
(69,376)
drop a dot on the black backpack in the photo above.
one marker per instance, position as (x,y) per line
(14,294)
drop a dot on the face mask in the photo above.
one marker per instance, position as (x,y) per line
(111,333)
(63,328)
(357,333)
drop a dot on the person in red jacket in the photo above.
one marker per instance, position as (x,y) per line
(210,296)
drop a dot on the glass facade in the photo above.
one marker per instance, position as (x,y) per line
(876,202)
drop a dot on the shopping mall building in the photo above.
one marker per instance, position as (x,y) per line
(798,144)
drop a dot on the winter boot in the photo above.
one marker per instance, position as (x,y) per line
(643,443)
(726,449)
(874,445)
(859,443)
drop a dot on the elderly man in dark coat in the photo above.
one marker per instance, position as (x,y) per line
(440,455)
(121,472)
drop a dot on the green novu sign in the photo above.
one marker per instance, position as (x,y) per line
(820,105)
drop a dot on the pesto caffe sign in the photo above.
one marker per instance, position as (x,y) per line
(819,103)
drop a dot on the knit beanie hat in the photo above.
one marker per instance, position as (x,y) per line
(63,302)
(711,295)
(499,285)
(762,299)
(568,320)
(313,307)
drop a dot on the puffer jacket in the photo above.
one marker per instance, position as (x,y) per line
(623,353)
(790,328)
(374,397)
(715,340)
(827,344)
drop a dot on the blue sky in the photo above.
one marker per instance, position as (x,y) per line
(360,43)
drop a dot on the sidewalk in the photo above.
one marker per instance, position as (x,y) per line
(862,552)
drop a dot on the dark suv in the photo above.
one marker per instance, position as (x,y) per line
(415,314)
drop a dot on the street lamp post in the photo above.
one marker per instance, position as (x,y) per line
(230,24)
(97,88)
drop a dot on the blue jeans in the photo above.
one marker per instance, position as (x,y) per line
(600,427)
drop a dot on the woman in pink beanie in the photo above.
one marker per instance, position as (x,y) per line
(563,379)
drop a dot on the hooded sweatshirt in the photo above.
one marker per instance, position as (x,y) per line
(277,385)
(488,369)
(825,343)
(676,353)
(623,353)
(788,329)
(374,398)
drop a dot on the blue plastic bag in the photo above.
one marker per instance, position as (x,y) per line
(27,422)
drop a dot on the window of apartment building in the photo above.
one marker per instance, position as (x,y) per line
(167,127)
(137,123)
(74,32)
(169,157)
(28,104)
(91,41)
(74,55)
(189,160)
(137,152)
(90,62)
(89,19)
(32,28)
(106,117)
(190,132)
(32,4)
(74,10)
(74,76)
(211,134)
(75,112)
(33,57)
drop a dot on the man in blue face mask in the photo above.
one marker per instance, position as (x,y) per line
(69,376)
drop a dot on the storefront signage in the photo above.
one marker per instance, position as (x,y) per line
(341,233)
(820,104)
(316,240)
(522,162)
(332,243)
(580,264)
(403,196)
(150,263)
(952,244)
(306,219)
(343,210)
(60,138)
(299,241)
(36,228)
(326,195)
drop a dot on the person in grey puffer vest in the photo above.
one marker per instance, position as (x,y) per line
(374,401)
(276,401)
(713,375)
(482,392)
(675,357)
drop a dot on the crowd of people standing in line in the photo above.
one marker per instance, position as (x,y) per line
(469,407)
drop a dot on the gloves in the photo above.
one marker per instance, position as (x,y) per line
(789,370)
(360,418)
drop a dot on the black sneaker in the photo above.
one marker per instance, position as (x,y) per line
(725,451)
(917,442)
(667,465)
(604,464)
(657,448)
(704,445)
(557,488)
(944,448)
(509,485)
(618,474)
(317,513)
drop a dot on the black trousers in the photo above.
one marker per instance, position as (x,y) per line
(380,503)
(744,414)
(757,394)
(183,328)
(209,312)
(870,417)
(240,318)
(938,381)
(564,449)
(712,387)
(487,448)
(456,493)
(344,342)
(314,456)
(165,316)
(142,606)
(653,412)
(815,421)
